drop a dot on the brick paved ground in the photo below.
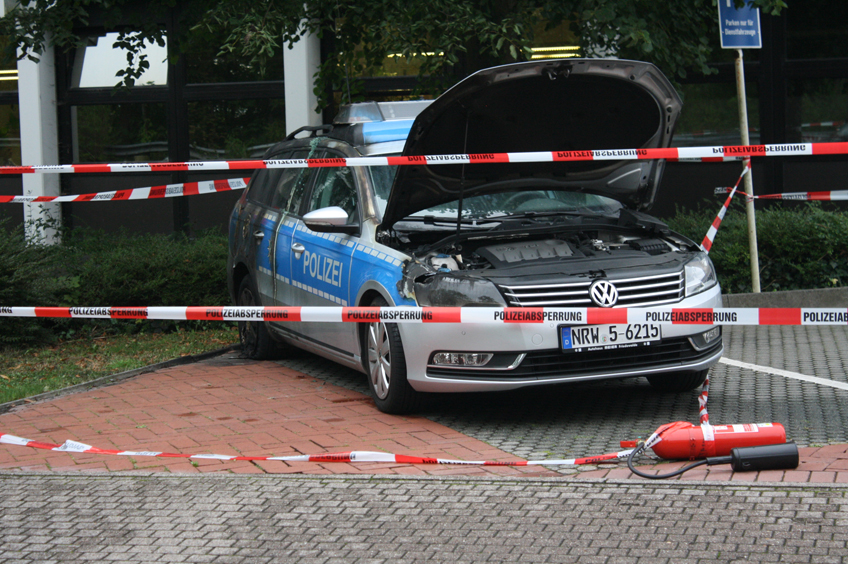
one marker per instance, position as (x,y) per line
(77,517)
(235,407)
(227,405)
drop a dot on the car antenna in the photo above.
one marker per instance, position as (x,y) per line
(461,185)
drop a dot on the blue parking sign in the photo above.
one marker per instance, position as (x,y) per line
(740,28)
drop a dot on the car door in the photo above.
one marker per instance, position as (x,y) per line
(260,230)
(321,262)
(288,195)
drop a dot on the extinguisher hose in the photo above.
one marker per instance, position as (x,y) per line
(677,472)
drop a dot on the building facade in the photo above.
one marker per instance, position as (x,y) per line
(196,104)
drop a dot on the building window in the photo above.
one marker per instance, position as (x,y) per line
(205,64)
(815,29)
(710,115)
(120,133)
(97,64)
(234,129)
(10,135)
(817,110)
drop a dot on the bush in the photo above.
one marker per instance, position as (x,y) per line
(93,268)
(122,269)
(801,246)
(30,275)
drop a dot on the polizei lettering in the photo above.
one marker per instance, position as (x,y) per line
(324,269)
(537,316)
(825,317)
(692,316)
(236,313)
(283,163)
(759,149)
(389,315)
(574,154)
(91,311)
(436,158)
(616,153)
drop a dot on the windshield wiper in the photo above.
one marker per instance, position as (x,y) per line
(482,223)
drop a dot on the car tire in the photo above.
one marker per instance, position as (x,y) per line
(256,341)
(678,381)
(385,366)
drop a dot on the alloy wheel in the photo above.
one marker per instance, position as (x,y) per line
(379,359)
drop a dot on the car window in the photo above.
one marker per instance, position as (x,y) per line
(261,186)
(382,178)
(288,182)
(506,203)
(296,184)
(335,187)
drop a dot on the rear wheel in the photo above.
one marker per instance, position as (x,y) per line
(678,381)
(385,364)
(256,341)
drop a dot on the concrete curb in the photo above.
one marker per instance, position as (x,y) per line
(822,297)
(569,481)
(114,378)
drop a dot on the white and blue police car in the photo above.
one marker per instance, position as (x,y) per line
(550,234)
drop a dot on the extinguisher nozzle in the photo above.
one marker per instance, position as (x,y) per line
(767,457)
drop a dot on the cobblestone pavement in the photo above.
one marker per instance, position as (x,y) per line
(253,519)
(591,418)
(227,404)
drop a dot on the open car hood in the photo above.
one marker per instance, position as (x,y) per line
(555,105)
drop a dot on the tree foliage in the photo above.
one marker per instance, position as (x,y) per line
(462,35)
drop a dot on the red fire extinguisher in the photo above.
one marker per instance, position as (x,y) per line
(683,440)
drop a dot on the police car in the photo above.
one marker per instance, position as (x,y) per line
(523,235)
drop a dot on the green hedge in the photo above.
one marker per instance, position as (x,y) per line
(92,268)
(800,245)
(30,275)
(122,269)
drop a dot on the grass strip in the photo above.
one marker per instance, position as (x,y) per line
(26,372)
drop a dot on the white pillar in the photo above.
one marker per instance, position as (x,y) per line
(300,63)
(39,143)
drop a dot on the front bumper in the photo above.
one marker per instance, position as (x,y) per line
(536,349)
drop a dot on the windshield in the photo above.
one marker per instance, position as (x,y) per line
(500,204)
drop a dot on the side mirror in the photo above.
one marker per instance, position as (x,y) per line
(330,220)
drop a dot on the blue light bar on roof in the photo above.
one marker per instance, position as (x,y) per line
(385,131)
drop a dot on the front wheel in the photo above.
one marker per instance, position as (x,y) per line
(385,364)
(678,381)
(256,341)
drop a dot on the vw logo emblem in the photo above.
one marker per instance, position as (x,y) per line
(603,293)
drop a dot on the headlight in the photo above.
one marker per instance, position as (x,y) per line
(446,290)
(700,274)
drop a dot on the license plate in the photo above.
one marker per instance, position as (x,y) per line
(606,337)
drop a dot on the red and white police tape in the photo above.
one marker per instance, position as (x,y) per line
(707,243)
(703,396)
(479,315)
(718,153)
(831,196)
(151,192)
(353,456)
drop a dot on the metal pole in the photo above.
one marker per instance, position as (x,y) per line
(748,180)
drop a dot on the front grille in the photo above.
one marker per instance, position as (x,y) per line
(632,292)
(540,365)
